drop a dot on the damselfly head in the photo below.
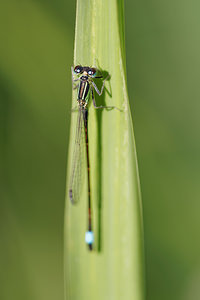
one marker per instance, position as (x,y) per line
(91,72)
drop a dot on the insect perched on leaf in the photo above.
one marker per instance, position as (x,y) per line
(84,82)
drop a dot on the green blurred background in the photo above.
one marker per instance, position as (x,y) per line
(163,66)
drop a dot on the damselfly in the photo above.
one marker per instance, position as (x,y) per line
(84,76)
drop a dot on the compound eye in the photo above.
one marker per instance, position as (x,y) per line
(78,69)
(92,72)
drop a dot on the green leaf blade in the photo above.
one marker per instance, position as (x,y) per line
(115,269)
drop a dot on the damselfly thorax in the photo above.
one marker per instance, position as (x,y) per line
(83,91)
